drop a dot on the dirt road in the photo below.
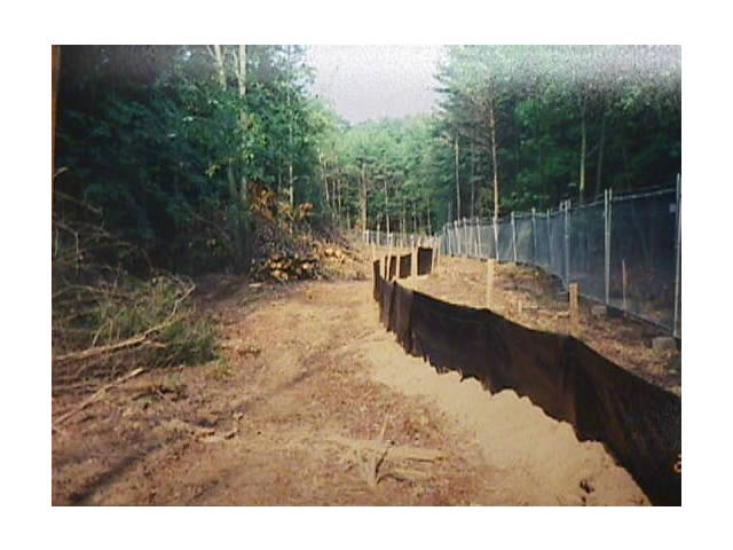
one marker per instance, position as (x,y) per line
(315,404)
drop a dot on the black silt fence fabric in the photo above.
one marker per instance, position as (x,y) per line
(405,265)
(637,421)
(391,263)
(424,260)
(376,276)
(401,266)
(384,290)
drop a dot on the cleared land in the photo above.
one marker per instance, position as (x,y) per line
(314,403)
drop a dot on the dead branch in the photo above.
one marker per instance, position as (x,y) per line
(95,396)
(396,452)
(93,209)
(127,343)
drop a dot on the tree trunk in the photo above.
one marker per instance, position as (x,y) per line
(363,197)
(290,141)
(494,162)
(427,217)
(233,186)
(55,66)
(243,191)
(403,223)
(458,188)
(338,197)
(599,166)
(325,181)
(583,140)
(219,58)
(291,187)
(473,181)
(386,205)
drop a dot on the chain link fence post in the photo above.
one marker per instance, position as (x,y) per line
(607,243)
(548,225)
(514,238)
(534,236)
(678,261)
(567,242)
(480,250)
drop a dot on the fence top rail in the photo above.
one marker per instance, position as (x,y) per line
(574,206)
(647,194)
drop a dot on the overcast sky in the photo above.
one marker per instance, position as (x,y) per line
(373,82)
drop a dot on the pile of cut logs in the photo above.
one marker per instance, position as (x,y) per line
(283,267)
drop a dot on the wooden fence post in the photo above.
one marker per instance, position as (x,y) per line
(490,263)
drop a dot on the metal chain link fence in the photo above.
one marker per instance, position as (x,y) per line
(621,251)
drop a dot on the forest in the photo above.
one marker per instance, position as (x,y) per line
(171,162)
(172,145)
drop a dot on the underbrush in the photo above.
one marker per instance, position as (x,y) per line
(101,331)
(107,322)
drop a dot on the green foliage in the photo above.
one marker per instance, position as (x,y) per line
(167,155)
(625,100)
(150,136)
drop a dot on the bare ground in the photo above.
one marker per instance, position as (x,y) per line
(315,404)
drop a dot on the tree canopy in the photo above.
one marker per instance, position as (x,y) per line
(168,142)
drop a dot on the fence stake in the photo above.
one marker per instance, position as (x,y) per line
(489,280)
(676,329)
(465,238)
(514,239)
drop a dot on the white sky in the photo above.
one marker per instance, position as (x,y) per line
(374,82)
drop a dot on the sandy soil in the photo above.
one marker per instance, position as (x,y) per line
(315,404)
